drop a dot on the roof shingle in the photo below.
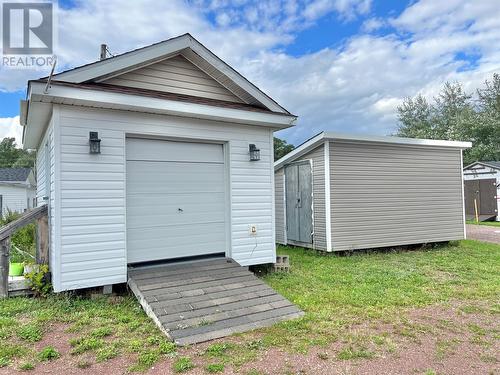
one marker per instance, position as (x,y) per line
(14,174)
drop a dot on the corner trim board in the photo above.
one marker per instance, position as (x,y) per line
(328,209)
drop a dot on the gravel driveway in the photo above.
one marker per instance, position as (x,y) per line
(483,233)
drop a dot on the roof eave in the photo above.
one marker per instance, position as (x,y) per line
(40,108)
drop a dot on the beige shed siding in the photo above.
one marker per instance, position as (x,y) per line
(279,196)
(388,195)
(175,75)
(319,213)
(93,212)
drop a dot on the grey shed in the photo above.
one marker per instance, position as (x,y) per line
(341,192)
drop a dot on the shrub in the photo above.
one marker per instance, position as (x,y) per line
(38,280)
(48,354)
(167,347)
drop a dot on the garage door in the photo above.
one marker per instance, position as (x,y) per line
(175,199)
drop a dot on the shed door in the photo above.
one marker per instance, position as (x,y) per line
(298,179)
(175,199)
(483,191)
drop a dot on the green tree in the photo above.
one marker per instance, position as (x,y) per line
(12,156)
(456,115)
(281,148)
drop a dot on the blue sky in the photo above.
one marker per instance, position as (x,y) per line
(341,65)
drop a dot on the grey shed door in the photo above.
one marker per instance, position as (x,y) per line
(175,199)
(484,193)
(298,179)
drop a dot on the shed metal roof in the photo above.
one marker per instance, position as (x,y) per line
(324,136)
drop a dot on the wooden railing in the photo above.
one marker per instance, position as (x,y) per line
(42,242)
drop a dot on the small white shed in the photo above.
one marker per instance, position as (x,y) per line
(17,190)
(482,190)
(340,192)
(161,153)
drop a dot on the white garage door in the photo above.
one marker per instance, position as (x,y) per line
(175,199)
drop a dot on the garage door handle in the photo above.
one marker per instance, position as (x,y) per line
(180,210)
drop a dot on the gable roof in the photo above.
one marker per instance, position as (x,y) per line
(14,174)
(318,139)
(491,164)
(185,45)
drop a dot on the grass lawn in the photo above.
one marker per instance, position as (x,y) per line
(340,295)
(487,223)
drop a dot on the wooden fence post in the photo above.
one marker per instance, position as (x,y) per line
(4,267)
(42,240)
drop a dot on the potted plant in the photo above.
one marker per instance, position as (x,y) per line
(16,266)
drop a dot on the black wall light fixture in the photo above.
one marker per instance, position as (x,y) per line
(94,143)
(254,152)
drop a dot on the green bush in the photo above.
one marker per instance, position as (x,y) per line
(39,281)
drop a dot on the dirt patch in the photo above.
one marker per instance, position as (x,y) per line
(483,233)
(457,338)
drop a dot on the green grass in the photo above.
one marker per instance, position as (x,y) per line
(487,223)
(183,364)
(336,292)
(48,353)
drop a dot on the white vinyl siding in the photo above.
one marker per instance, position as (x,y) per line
(15,198)
(45,179)
(388,195)
(175,75)
(279,204)
(92,189)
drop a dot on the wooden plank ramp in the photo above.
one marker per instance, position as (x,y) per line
(198,301)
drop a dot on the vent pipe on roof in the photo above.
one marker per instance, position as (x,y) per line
(104,48)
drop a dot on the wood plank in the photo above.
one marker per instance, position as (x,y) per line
(174,270)
(215,334)
(170,318)
(161,283)
(257,307)
(182,288)
(198,301)
(26,218)
(252,319)
(240,290)
(211,291)
(4,267)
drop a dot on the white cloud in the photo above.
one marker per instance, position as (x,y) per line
(10,127)
(353,88)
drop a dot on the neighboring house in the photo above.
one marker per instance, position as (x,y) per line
(482,190)
(338,192)
(17,190)
(177,129)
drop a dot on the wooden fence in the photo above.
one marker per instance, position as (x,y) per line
(40,214)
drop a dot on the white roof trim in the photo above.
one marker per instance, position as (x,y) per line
(482,163)
(59,94)
(316,140)
(160,51)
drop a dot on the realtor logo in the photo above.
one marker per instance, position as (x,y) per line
(27,28)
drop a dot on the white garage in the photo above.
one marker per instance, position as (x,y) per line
(176,199)
(162,153)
